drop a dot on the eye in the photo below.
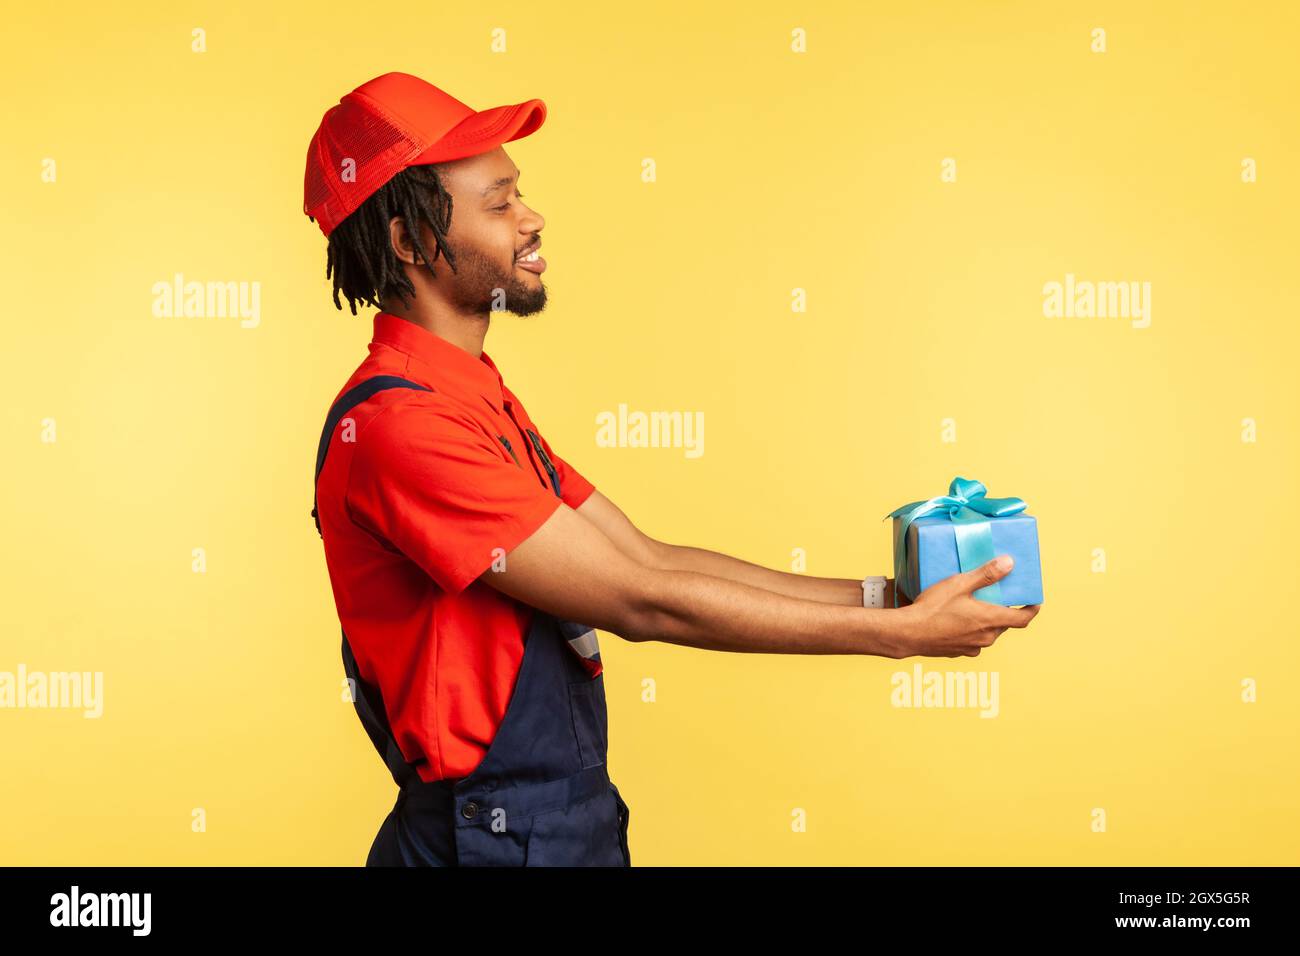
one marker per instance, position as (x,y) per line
(507,205)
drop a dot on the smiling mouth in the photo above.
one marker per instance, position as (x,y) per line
(533,262)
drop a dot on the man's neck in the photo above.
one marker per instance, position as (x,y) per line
(464,331)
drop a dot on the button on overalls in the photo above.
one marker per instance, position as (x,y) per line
(541,796)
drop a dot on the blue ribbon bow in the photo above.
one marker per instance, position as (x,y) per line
(969,511)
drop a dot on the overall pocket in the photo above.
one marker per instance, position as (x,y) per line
(590,725)
(583,834)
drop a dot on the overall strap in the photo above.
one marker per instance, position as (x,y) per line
(348,401)
(369,704)
(367,699)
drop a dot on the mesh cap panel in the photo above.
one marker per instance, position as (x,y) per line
(349,142)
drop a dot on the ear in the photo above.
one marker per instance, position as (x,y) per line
(400,239)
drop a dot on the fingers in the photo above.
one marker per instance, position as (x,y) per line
(1019,616)
(997,615)
(988,573)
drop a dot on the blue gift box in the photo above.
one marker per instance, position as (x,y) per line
(960,531)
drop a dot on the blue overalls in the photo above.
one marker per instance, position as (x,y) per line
(541,796)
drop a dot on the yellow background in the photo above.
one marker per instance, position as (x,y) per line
(775,171)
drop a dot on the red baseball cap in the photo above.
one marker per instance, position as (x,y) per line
(391,122)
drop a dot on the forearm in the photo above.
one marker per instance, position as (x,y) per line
(711,613)
(826,590)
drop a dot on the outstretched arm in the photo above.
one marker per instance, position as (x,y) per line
(607,516)
(568,567)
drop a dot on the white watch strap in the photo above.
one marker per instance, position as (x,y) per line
(873,591)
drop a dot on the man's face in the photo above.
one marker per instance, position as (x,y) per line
(491,233)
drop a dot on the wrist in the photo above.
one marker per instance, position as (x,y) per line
(888,635)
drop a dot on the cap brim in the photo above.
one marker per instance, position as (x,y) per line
(485,130)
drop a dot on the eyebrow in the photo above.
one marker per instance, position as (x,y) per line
(503,181)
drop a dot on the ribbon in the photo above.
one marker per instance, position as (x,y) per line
(969,511)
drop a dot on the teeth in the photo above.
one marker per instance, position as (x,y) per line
(532,256)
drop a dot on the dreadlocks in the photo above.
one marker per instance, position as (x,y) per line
(360,255)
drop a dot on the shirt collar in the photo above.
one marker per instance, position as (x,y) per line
(447,366)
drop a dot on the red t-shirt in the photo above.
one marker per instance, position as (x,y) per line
(420,494)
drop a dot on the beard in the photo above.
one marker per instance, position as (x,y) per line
(482,284)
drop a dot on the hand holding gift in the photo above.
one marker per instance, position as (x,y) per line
(957,532)
(964,560)
(947,620)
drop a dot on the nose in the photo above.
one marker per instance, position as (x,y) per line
(531,223)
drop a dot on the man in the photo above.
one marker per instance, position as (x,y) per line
(470,563)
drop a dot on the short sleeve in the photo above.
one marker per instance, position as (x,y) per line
(428,480)
(574,488)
